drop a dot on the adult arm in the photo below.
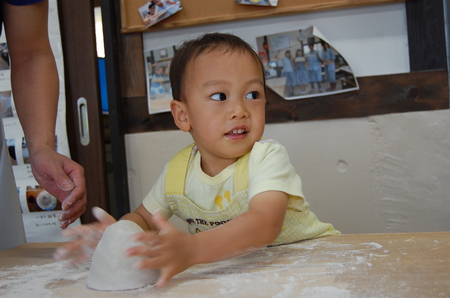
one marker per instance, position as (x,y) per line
(35,86)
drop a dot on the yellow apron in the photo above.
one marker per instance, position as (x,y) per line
(298,225)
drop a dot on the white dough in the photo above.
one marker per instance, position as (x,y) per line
(111,270)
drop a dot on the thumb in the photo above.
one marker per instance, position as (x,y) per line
(164,277)
(103,216)
(62,180)
(65,183)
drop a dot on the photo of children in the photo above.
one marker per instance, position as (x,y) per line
(301,64)
(157,10)
(4,56)
(258,2)
(158,84)
(5,104)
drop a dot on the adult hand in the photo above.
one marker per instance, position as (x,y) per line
(64,179)
(86,238)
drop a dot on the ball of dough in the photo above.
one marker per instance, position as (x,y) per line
(110,269)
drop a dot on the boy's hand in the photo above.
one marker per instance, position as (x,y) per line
(86,238)
(170,249)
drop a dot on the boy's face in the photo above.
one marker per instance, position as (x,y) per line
(223,105)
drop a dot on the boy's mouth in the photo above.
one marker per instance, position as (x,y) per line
(234,132)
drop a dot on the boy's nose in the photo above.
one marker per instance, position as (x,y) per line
(238,110)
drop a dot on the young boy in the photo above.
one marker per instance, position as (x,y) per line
(237,193)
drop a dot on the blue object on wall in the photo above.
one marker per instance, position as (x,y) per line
(103,87)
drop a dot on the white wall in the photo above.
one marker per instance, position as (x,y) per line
(386,173)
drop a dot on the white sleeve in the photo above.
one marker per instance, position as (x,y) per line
(156,198)
(271,169)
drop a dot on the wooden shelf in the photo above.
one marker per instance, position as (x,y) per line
(201,12)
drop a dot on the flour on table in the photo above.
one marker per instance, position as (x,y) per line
(39,280)
(111,270)
(300,269)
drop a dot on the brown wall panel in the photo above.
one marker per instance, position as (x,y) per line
(414,91)
(201,12)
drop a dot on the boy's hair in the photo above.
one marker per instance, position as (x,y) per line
(209,42)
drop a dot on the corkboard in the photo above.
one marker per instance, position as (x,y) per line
(200,12)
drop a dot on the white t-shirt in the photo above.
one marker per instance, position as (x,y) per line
(269,169)
(206,202)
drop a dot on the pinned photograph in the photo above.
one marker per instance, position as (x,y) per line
(258,2)
(302,63)
(6,110)
(38,199)
(4,56)
(158,10)
(158,83)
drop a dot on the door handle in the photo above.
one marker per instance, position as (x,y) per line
(83,121)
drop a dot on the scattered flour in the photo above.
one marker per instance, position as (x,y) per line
(38,280)
(321,292)
(299,270)
(376,245)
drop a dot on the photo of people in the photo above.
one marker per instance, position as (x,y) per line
(301,64)
(258,2)
(158,83)
(4,56)
(6,104)
(157,10)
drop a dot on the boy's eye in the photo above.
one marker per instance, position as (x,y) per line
(219,96)
(252,95)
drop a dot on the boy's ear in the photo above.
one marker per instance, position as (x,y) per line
(179,115)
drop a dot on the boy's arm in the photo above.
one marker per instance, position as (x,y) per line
(247,232)
(141,217)
(174,251)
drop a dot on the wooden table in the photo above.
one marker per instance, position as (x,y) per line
(360,265)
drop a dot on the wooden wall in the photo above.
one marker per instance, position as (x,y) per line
(201,12)
(425,88)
